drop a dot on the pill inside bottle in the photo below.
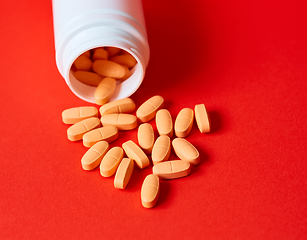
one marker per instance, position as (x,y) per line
(94,65)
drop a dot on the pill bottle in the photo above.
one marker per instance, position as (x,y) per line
(82,25)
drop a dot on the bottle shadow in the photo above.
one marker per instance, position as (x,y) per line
(178,44)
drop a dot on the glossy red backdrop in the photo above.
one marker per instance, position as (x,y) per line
(245,60)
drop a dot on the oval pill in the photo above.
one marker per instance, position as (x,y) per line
(83,63)
(105,90)
(89,78)
(148,109)
(125,60)
(109,134)
(125,105)
(134,152)
(122,121)
(164,122)
(186,151)
(110,161)
(172,169)
(100,53)
(76,131)
(146,137)
(123,173)
(150,191)
(161,149)
(87,54)
(113,51)
(109,69)
(77,114)
(92,158)
(184,122)
(127,74)
(202,119)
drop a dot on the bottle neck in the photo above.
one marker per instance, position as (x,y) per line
(98,35)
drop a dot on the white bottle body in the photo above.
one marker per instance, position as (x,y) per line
(81,25)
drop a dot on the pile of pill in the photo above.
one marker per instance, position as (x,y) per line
(99,128)
(103,67)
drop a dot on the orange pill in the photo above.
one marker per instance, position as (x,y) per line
(172,169)
(161,149)
(77,114)
(202,119)
(164,122)
(126,76)
(83,63)
(123,173)
(184,122)
(125,53)
(89,78)
(92,158)
(100,53)
(113,51)
(122,121)
(109,134)
(87,54)
(109,69)
(146,137)
(148,109)
(110,161)
(150,191)
(134,152)
(105,90)
(186,151)
(76,131)
(125,105)
(125,60)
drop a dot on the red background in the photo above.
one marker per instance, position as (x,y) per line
(245,60)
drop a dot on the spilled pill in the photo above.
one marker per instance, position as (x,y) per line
(202,119)
(150,191)
(161,149)
(146,137)
(186,151)
(134,152)
(123,173)
(110,161)
(83,63)
(148,109)
(92,158)
(184,122)
(122,121)
(164,122)
(108,68)
(89,78)
(109,134)
(125,105)
(172,169)
(76,131)
(77,114)
(105,90)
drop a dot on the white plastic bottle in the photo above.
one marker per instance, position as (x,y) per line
(81,25)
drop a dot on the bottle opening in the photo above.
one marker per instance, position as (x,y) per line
(93,65)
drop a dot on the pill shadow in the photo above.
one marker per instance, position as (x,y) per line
(165,193)
(137,178)
(178,44)
(203,154)
(216,121)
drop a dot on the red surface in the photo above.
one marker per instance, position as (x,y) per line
(246,60)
